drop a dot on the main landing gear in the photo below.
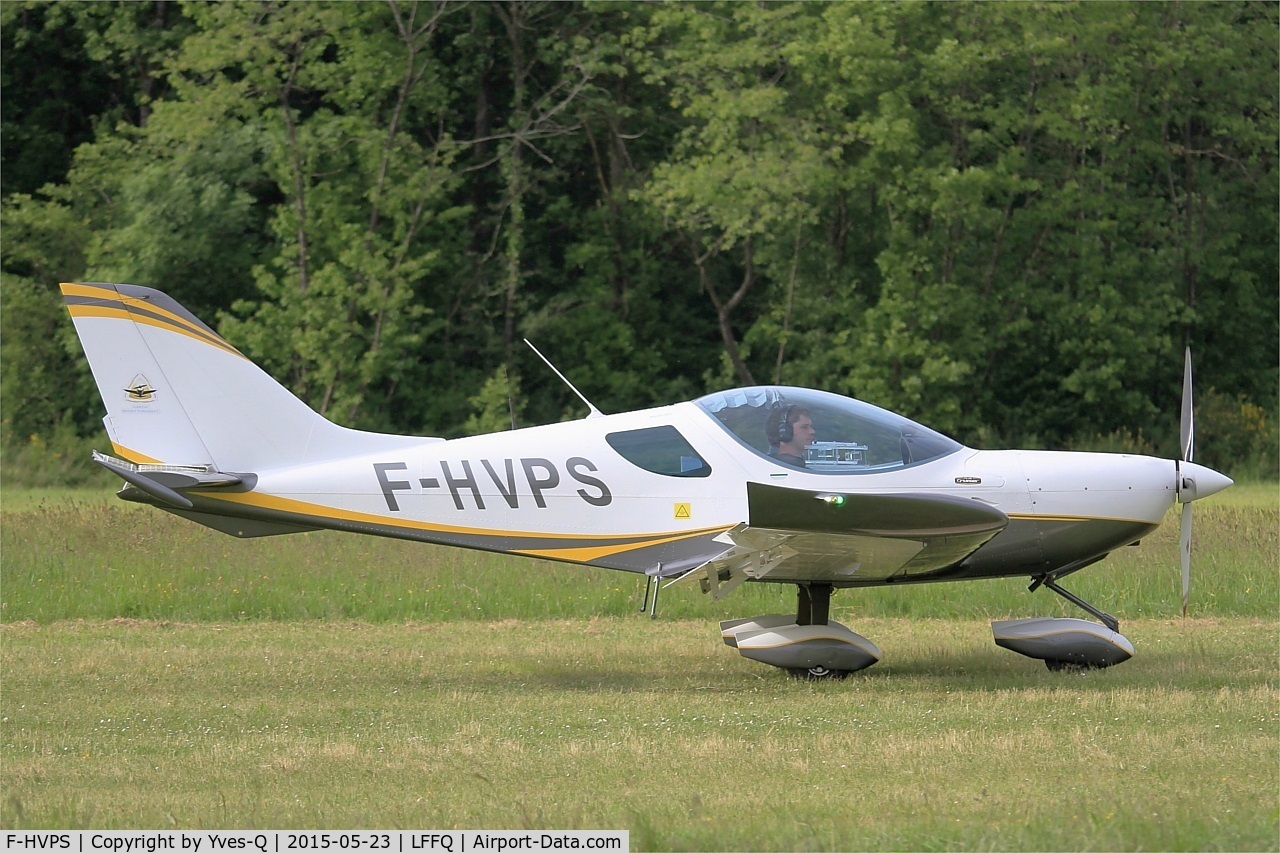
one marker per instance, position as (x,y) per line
(808,644)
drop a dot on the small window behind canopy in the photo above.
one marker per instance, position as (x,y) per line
(662,450)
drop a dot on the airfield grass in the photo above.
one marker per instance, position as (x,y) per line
(157,674)
(648,726)
(82,557)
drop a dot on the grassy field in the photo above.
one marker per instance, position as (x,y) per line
(84,557)
(621,723)
(156,674)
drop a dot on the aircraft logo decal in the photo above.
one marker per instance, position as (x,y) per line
(140,390)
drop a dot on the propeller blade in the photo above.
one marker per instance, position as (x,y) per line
(1184,543)
(1186,447)
(1187,433)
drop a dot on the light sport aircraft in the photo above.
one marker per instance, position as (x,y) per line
(764,484)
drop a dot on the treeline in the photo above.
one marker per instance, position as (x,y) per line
(1003,219)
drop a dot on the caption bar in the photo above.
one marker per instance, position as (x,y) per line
(299,841)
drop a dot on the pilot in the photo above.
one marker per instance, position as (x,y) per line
(789,429)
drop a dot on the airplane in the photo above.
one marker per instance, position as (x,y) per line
(767,484)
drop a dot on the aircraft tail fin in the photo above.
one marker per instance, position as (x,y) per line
(176,393)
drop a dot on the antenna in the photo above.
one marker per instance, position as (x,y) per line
(595,413)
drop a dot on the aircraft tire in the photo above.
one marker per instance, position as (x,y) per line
(819,673)
(1069,666)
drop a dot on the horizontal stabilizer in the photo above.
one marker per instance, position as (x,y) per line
(162,481)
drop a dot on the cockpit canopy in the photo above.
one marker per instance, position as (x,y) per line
(852,437)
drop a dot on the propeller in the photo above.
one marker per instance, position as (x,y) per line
(1186,447)
(1193,481)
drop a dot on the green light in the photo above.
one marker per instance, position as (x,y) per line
(835,500)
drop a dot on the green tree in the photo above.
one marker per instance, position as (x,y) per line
(497,406)
(67,68)
(1031,191)
(1005,220)
(753,164)
(334,95)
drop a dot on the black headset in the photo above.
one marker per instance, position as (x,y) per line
(782,430)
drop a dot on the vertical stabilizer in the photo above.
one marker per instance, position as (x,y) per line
(177,393)
(145,420)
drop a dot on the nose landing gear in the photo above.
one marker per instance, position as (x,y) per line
(1065,644)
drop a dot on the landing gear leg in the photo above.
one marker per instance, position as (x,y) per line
(813,607)
(813,604)
(1051,582)
(654,582)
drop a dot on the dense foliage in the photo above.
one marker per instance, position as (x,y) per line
(1005,220)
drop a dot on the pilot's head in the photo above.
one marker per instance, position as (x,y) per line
(790,428)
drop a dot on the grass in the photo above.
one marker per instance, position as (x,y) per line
(1259,495)
(650,726)
(87,559)
(157,674)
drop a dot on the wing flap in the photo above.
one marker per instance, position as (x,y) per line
(797,535)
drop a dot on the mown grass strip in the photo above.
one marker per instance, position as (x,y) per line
(650,726)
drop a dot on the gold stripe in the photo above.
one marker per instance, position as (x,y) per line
(296,507)
(184,326)
(583,555)
(134,456)
(90,292)
(786,642)
(1075,518)
(1059,633)
(124,314)
(1031,517)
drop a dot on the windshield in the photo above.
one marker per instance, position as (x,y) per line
(821,432)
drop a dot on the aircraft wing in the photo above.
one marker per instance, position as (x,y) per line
(846,538)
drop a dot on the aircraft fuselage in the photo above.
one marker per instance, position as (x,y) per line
(561,491)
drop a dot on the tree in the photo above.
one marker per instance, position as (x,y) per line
(1029,205)
(751,168)
(1003,220)
(335,96)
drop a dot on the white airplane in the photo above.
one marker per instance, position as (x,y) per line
(765,484)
